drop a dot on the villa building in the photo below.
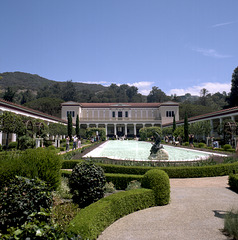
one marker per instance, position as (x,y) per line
(121,119)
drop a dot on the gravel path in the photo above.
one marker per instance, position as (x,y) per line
(196,212)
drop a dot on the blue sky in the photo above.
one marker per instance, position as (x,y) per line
(178,46)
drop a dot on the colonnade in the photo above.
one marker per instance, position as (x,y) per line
(116,128)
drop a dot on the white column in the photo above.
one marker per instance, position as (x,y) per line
(143,125)
(106,128)
(87,125)
(115,129)
(233,118)
(1,137)
(14,137)
(134,129)
(152,124)
(126,129)
(96,125)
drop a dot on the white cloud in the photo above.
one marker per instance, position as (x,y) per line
(144,87)
(195,90)
(222,24)
(210,53)
(99,82)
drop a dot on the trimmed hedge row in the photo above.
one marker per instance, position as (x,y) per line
(120,181)
(173,172)
(92,220)
(233,182)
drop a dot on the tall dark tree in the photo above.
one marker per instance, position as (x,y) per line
(174,124)
(70,126)
(233,98)
(186,127)
(77,126)
(9,95)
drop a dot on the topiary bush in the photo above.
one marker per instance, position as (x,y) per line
(227,147)
(201,145)
(87,183)
(20,198)
(158,181)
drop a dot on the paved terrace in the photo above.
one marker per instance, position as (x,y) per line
(196,212)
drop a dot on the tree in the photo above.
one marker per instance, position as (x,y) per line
(11,123)
(174,124)
(233,98)
(186,127)
(157,95)
(77,126)
(9,95)
(70,126)
(69,93)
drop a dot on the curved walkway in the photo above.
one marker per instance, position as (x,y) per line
(196,212)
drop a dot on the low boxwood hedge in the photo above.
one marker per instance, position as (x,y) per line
(121,181)
(92,220)
(233,182)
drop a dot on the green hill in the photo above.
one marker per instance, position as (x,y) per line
(21,81)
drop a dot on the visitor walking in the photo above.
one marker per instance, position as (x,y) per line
(67,144)
(75,142)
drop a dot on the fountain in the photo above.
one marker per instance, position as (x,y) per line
(157,151)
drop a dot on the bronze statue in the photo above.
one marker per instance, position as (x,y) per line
(156,146)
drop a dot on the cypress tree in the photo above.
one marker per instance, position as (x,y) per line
(233,99)
(70,126)
(77,126)
(186,127)
(174,124)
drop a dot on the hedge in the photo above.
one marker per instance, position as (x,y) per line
(120,181)
(158,181)
(177,172)
(92,220)
(233,182)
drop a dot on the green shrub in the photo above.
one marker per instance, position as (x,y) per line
(158,181)
(226,147)
(186,144)
(32,163)
(62,149)
(201,145)
(92,220)
(44,164)
(0,147)
(233,182)
(231,224)
(86,183)
(109,187)
(133,185)
(26,142)
(20,198)
(12,145)
(37,229)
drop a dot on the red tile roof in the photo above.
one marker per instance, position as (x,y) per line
(24,109)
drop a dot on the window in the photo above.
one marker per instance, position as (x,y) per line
(126,114)
(169,113)
(71,113)
(113,114)
(120,114)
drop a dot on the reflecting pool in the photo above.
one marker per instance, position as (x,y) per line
(140,151)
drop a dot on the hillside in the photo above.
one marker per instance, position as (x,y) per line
(21,80)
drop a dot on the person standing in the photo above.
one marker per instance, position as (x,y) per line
(75,142)
(67,144)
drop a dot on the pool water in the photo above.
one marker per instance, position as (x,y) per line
(140,151)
